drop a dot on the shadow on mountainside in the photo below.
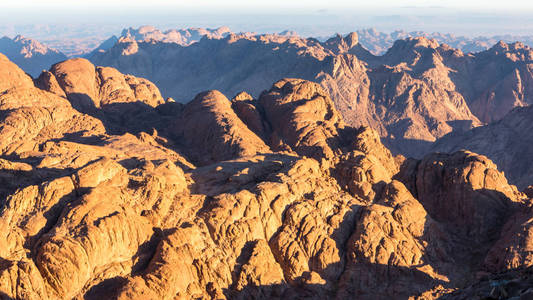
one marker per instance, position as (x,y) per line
(407,147)
(510,284)
(13,180)
(118,118)
(110,288)
(132,117)
(467,221)
(354,279)
(233,175)
(3,296)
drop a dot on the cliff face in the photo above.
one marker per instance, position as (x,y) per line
(107,191)
(418,91)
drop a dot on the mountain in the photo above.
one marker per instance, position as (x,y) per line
(418,91)
(109,191)
(104,46)
(379,42)
(32,56)
(505,142)
(182,37)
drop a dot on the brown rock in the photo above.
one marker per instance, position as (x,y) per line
(303,117)
(395,244)
(12,76)
(117,212)
(248,111)
(514,249)
(88,87)
(213,132)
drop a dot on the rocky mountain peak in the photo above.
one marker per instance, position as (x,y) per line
(413,44)
(29,54)
(342,44)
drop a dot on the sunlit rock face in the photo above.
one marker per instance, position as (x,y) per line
(109,191)
(415,92)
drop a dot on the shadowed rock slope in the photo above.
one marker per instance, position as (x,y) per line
(506,142)
(416,92)
(268,198)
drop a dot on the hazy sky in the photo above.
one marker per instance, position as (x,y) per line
(480,5)
(307,17)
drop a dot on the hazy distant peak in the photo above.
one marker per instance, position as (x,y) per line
(182,37)
(27,47)
(352,39)
(288,33)
(422,41)
(29,54)
(378,42)
(107,44)
(147,29)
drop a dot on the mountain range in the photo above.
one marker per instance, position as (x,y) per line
(416,92)
(110,191)
(379,42)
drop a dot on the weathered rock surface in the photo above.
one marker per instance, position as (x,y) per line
(268,198)
(12,76)
(87,86)
(213,132)
(506,142)
(416,92)
(302,116)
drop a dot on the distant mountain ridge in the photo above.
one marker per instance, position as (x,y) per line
(29,54)
(418,91)
(379,42)
(415,93)
(182,37)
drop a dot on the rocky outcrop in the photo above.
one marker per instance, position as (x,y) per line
(470,192)
(418,91)
(213,132)
(87,86)
(265,198)
(302,117)
(12,76)
(514,249)
(505,142)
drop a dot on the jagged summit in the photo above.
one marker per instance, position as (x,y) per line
(417,92)
(29,54)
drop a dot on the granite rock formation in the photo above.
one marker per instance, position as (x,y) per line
(416,92)
(268,198)
(506,142)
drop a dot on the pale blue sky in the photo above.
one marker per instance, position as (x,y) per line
(508,5)
(307,17)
